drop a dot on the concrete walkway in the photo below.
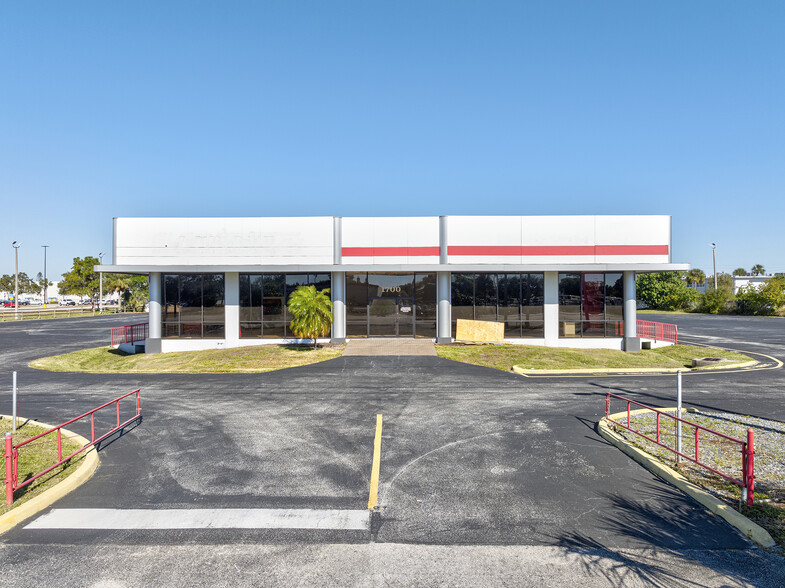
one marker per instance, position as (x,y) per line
(391,346)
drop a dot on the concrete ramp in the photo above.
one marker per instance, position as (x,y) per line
(392,346)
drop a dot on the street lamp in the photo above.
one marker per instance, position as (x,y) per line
(100,285)
(714,256)
(16,245)
(46,282)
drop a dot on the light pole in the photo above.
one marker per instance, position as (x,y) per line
(16,245)
(100,285)
(46,282)
(714,256)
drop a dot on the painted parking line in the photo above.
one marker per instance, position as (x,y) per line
(373,493)
(210,518)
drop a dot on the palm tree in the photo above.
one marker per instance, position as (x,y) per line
(311,312)
(757,270)
(696,276)
(739,271)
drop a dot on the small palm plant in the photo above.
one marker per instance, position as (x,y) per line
(311,312)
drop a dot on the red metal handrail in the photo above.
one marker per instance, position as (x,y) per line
(747,482)
(128,334)
(651,330)
(12,451)
(657,331)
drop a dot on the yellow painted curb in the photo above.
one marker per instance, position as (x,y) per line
(589,371)
(749,529)
(47,498)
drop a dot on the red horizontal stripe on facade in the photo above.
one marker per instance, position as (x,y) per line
(536,250)
(389,251)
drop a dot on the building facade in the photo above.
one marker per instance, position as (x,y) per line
(564,281)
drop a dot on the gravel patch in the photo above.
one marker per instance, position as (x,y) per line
(720,454)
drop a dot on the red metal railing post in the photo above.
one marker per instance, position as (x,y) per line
(92,427)
(607,404)
(138,402)
(118,414)
(629,424)
(59,447)
(749,474)
(9,468)
(658,427)
(697,430)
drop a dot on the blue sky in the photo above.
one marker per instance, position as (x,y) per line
(392,108)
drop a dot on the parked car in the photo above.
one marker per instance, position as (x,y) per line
(66,302)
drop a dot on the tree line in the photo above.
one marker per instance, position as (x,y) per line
(673,291)
(83,280)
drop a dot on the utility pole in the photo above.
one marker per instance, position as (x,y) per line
(714,256)
(100,285)
(16,245)
(46,282)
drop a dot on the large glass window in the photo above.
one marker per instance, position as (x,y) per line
(590,305)
(515,299)
(193,306)
(263,299)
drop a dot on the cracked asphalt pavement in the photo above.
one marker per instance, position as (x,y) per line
(487,477)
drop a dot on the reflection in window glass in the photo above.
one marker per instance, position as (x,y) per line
(515,299)
(263,312)
(193,305)
(485,296)
(462,297)
(569,305)
(591,304)
(510,304)
(425,305)
(614,304)
(532,300)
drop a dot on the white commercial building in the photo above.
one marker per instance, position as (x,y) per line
(565,281)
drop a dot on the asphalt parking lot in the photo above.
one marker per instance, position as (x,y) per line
(473,461)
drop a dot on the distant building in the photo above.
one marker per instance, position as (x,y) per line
(740,282)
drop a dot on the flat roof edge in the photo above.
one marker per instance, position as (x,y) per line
(452,267)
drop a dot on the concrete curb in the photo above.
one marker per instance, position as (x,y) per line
(526,372)
(83,473)
(752,531)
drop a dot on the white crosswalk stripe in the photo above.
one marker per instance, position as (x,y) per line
(212,518)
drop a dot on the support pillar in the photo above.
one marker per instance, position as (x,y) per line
(339,307)
(444,308)
(232,308)
(153,341)
(631,340)
(551,308)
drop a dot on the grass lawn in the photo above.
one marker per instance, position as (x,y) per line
(262,358)
(503,357)
(35,457)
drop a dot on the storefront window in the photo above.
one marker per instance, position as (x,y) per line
(263,299)
(193,306)
(590,305)
(515,299)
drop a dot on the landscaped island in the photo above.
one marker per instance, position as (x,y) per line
(262,358)
(529,357)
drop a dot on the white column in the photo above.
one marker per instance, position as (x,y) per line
(631,341)
(551,308)
(232,308)
(444,308)
(339,307)
(153,342)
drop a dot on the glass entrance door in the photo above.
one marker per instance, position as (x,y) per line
(390,317)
